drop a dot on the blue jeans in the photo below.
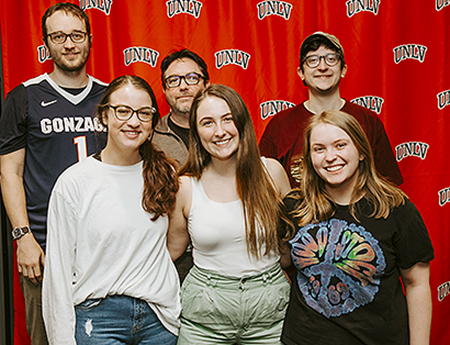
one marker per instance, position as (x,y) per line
(119,320)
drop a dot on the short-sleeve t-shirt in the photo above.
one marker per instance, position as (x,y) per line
(57,129)
(347,288)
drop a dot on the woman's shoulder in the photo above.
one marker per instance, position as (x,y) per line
(73,182)
(185,186)
(406,212)
(271,164)
(184,196)
(278,175)
(185,180)
(78,170)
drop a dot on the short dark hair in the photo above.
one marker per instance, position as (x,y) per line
(184,54)
(67,8)
(318,39)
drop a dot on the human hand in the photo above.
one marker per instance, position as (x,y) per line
(30,257)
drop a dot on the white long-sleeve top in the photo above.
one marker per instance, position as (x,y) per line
(101,242)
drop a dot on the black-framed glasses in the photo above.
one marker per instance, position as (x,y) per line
(190,79)
(60,37)
(313,61)
(124,112)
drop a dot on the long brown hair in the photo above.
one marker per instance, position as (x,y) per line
(317,204)
(261,203)
(160,177)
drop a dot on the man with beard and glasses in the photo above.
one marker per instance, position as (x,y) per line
(46,126)
(183,75)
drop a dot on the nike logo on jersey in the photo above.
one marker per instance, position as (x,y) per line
(46,104)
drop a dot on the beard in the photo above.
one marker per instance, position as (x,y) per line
(70,66)
(183,108)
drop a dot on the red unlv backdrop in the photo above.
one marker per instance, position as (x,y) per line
(398,56)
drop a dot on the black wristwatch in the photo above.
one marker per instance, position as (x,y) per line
(19,231)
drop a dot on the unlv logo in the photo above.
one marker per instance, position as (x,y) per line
(43,54)
(443,99)
(191,7)
(414,148)
(140,54)
(357,6)
(444,196)
(270,108)
(232,57)
(279,8)
(409,51)
(440,4)
(373,103)
(102,5)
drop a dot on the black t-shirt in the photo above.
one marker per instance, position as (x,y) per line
(347,288)
(183,133)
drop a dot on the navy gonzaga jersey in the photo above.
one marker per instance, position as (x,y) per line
(57,129)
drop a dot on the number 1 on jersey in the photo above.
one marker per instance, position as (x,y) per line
(81,147)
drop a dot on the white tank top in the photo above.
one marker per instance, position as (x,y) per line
(217,232)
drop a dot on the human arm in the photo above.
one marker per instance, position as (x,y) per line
(285,256)
(418,300)
(290,203)
(178,236)
(279,177)
(282,185)
(30,255)
(383,152)
(57,299)
(267,146)
(384,158)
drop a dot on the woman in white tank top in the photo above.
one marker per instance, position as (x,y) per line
(229,207)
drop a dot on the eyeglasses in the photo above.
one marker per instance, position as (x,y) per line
(60,37)
(124,112)
(189,79)
(313,61)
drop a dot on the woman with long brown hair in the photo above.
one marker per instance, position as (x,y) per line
(229,206)
(109,278)
(357,238)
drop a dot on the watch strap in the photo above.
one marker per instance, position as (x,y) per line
(19,231)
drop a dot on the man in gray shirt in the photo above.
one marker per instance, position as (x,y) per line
(183,75)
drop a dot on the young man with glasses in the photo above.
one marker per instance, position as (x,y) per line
(322,66)
(183,75)
(45,127)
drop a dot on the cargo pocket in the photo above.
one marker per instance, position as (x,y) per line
(197,303)
(274,302)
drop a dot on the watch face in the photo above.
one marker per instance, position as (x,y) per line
(17,232)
